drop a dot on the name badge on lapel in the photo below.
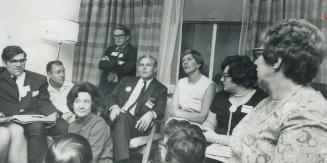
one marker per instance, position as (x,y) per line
(149,104)
(24,90)
(246,109)
(35,93)
(115,54)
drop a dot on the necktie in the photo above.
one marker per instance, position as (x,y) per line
(139,98)
(120,49)
(14,78)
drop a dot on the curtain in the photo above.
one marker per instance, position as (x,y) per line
(97,19)
(170,41)
(150,25)
(258,15)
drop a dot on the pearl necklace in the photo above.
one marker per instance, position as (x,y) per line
(234,105)
(233,108)
(245,92)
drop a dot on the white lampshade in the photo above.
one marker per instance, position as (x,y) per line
(60,30)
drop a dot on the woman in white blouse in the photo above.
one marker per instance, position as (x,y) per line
(193,94)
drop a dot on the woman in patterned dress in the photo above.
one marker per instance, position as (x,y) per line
(291,124)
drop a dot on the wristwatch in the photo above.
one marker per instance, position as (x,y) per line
(154,114)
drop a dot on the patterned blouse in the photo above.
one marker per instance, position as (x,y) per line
(293,130)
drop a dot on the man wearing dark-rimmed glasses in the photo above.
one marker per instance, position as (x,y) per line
(118,61)
(25,92)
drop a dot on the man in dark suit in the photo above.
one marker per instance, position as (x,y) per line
(134,104)
(118,61)
(25,92)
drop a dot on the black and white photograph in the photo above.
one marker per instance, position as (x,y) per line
(163,81)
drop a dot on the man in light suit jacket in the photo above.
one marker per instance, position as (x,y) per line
(134,104)
(25,92)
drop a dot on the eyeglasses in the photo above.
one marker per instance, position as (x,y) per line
(15,61)
(226,75)
(257,52)
(119,36)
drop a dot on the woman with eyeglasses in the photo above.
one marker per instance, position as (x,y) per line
(238,98)
(194,93)
(83,100)
(290,125)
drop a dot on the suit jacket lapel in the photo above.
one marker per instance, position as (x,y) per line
(7,77)
(146,96)
(132,84)
(148,91)
(27,80)
(13,91)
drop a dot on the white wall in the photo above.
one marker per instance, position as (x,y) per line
(22,23)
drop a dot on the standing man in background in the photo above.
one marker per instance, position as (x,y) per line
(118,61)
(59,88)
(25,92)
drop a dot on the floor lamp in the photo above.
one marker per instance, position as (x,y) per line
(60,31)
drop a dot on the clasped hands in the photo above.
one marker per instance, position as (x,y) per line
(142,124)
(211,135)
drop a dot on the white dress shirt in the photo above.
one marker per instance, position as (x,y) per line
(59,98)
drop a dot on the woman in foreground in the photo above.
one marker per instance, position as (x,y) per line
(291,124)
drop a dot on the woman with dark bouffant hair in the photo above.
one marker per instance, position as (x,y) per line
(83,100)
(290,125)
(69,148)
(239,97)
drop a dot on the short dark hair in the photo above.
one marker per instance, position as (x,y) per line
(241,69)
(195,54)
(299,44)
(69,148)
(123,28)
(84,87)
(148,56)
(186,142)
(10,52)
(49,65)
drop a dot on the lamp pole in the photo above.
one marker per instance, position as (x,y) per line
(59,46)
